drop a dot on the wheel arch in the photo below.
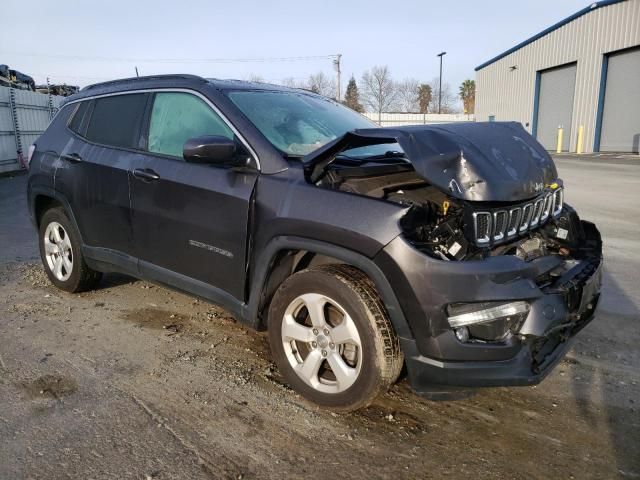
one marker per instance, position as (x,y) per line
(42,199)
(285,255)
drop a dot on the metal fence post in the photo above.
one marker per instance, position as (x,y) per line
(16,127)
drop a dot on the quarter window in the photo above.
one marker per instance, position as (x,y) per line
(177,117)
(116,120)
(78,117)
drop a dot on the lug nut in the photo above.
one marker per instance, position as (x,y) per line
(314,344)
(332,345)
(324,353)
(326,332)
(315,331)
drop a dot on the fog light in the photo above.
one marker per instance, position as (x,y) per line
(462,334)
(477,313)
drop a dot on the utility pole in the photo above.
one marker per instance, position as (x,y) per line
(441,54)
(336,64)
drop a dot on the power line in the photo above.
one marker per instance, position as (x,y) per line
(176,60)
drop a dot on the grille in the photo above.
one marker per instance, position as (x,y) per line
(496,226)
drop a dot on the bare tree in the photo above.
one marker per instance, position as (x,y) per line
(378,89)
(321,84)
(292,83)
(254,77)
(449,99)
(408,99)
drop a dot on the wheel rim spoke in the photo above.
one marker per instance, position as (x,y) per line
(308,370)
(292,330)
(56,235)
(345,375)
(68,265)
(315,306)
(57,269)
(66,242)
(346,332)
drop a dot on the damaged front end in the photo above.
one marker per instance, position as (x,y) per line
(471,190)
(501,271)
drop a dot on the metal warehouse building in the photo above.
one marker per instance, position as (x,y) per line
(582,73)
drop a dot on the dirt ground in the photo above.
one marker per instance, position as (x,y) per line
(136,381)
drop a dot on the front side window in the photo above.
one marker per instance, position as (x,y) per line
(116,120)
(297,123)
(176,117)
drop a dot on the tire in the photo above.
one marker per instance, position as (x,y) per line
(353,335)
(61,253)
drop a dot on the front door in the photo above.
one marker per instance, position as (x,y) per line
(189,220)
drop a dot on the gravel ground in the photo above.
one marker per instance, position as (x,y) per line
(136,381)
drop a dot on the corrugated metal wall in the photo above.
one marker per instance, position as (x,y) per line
(33,114)
(509,93)
(399,119)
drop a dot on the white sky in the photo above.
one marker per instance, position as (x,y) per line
(64,39)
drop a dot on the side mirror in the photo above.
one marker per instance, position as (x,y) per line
(213,149)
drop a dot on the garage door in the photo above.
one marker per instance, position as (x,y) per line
(621,112)
(555,105)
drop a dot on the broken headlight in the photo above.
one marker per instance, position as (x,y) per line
(486,321)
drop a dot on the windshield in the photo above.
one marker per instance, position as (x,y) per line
(297,123)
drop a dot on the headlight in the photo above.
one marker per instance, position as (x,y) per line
(488,321)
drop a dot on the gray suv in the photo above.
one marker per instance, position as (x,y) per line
(448,250)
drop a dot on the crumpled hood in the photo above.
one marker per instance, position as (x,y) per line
(477,161)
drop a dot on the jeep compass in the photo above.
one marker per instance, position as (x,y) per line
(448,249)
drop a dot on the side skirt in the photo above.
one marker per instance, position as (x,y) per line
(107,260)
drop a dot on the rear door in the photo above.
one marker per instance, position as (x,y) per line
(189,219)
(94,166)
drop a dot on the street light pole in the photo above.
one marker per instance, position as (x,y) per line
(441,54)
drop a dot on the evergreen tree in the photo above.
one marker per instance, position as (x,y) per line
(351,97)
(424,97)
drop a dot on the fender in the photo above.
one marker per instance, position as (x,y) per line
(34,191)
(285,242)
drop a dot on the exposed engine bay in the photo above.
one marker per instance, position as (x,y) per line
(453,229)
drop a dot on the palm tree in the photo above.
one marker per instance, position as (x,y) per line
(468,95)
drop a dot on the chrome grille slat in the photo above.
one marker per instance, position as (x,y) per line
(499,225)
(482,227)
(514,221)
(546,209)
(558,201)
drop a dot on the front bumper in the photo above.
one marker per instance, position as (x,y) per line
(437,361)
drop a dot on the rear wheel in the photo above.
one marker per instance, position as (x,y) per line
(332,339)
(60,250)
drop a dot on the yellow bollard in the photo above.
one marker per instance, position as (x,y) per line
(560,134)
(580,138)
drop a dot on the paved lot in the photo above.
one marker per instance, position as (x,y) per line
(135,381)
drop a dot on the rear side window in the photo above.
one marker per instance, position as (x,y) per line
(78,117)
(116,120)
(177,117)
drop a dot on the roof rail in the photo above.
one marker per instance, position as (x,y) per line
(137,79)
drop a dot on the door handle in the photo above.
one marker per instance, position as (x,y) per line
(72,157)
(145,174)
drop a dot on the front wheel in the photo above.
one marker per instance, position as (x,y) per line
(331,337)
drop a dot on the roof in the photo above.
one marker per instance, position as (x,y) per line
(173,80)
(561,23)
